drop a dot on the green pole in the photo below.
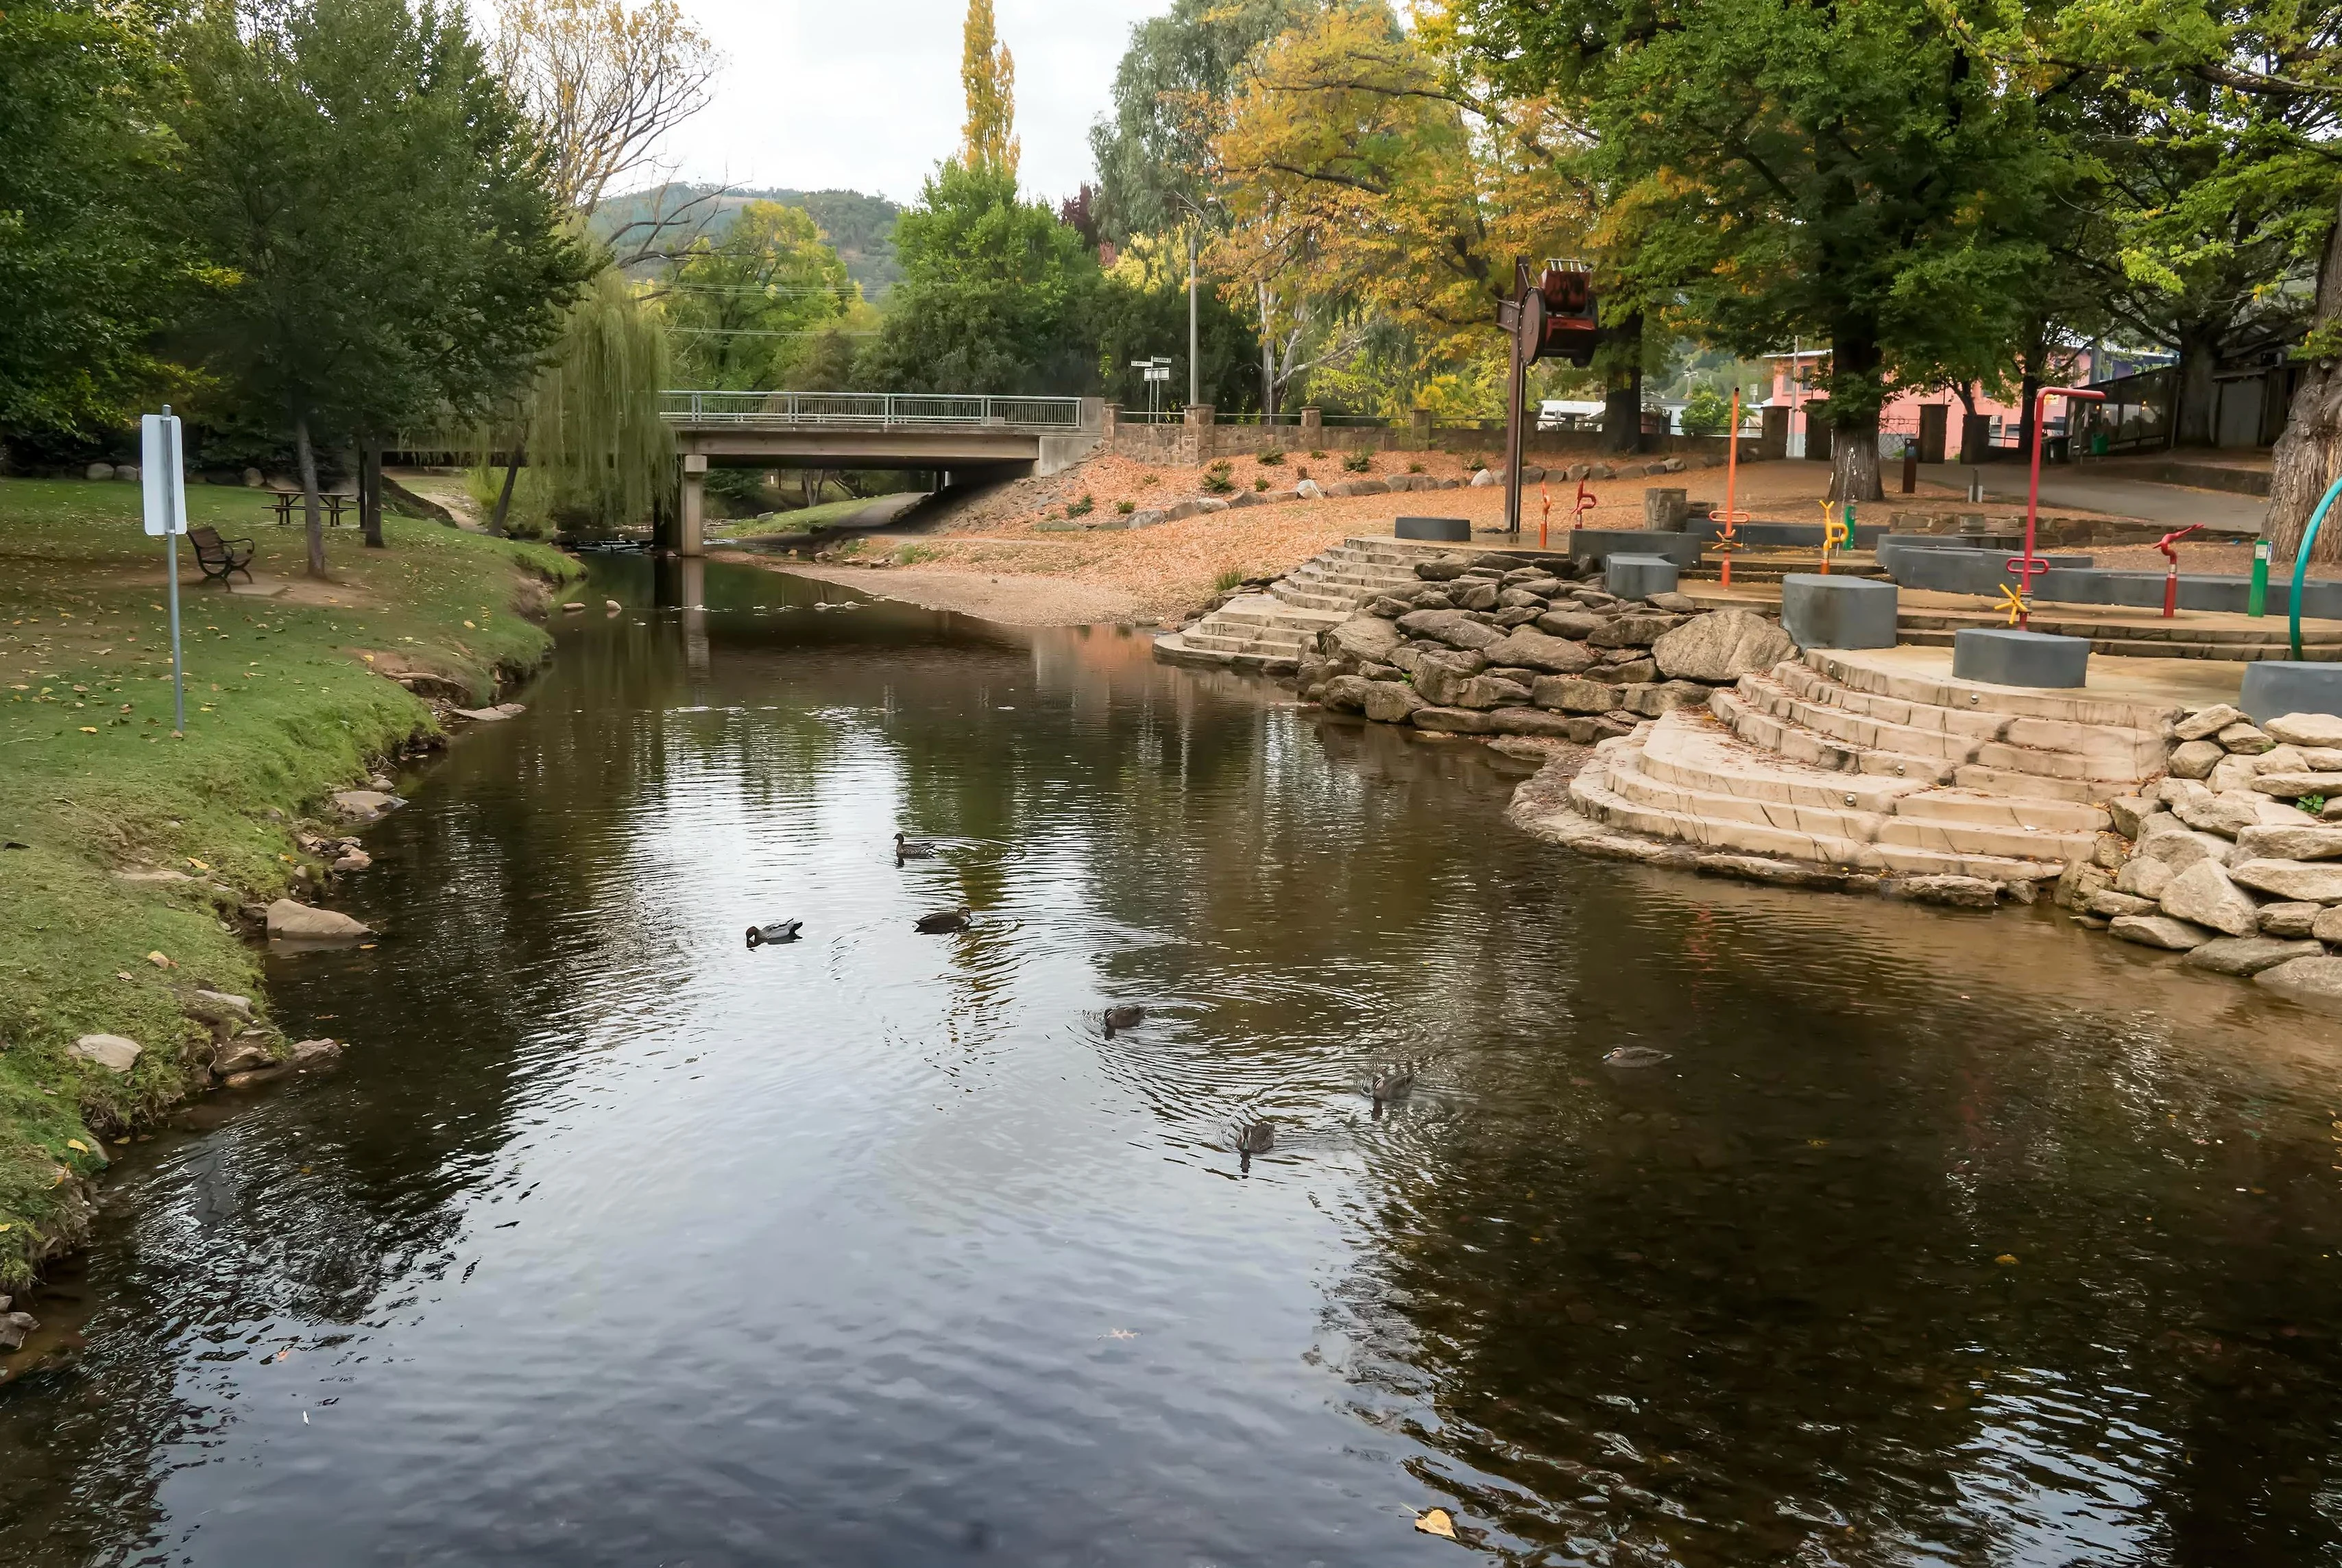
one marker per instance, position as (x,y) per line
(2301,565)
(2257,601)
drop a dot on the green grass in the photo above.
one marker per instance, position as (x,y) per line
(282,706)
(805,520)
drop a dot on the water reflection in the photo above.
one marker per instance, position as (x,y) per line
(1933,1238)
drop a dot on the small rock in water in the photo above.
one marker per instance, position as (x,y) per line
(14,1327)
(1636,1056)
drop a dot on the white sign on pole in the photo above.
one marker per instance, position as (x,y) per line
(161,475)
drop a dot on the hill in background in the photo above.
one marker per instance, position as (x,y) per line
(860,228)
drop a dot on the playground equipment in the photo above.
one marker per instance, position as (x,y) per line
(2171,578)
(2257,598)
(2028,567)
(2301,565)
(1553,316)
(1837,533)
(1728,522)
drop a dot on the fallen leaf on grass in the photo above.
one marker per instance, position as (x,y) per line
(160,961)
(89,729)
(124,974)
(77,1143)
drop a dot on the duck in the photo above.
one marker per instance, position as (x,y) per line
(907,848)
(944,920)
(779,930)
(1254,1138)
(1124,1017)
(1389,1083)
(1636,1056)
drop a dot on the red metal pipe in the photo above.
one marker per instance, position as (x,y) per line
(2025,567)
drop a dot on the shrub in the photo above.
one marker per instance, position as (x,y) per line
(1229,577)
(2312,804)
(1125,507)
(1261,482)
(1083,507)
(1315,452)
(912,554)
(1146,479)
(1219,478)
(1301,474)
(1416,468)
(1359,462)
(1272,458)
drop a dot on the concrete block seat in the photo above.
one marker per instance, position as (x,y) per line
(2273,688)
(1632,577)
(1687,778)
(1830,611)
(2007,656)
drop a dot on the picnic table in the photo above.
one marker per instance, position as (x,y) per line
(287,503)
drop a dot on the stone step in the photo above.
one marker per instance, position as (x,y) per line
(1851,670)
(1303,599)
(1858,730)
(2003,810)
(1631,780)
(1801,745)
(1810,685)
(1596,792)
(2000,781)
(2078,750)
(1694,750)
(1977,838)
(1247,639)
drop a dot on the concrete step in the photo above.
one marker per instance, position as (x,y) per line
(1975,838)
(1858,730)
(2015,742)
(1799,743)
(2003,810)
(2002,781)
(1631,780)
(1692,750)
(1811,686)
(1601,790)
(1851,670)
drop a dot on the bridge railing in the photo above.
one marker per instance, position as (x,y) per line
(782,409)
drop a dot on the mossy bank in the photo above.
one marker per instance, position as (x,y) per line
(104,811)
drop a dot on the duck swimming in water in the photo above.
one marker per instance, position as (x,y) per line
(1254,1138)
(1389,1083)
(911,849)
(779,930)
(944,920)
(1124,1017)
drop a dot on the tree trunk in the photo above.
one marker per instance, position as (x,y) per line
(1268,362)
(316,521)
(2028,395)
(370,491)
(498,520)
(1621,398)
(2199,356)
(1854,417)
(2308,454)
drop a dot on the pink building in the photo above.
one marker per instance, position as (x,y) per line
(1800,376)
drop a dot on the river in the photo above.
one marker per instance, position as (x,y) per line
(1935,1238)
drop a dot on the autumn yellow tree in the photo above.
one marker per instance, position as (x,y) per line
(1359,167)
(989,76)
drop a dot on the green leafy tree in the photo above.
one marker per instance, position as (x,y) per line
(745,307)
(995,297)
(377,213)
(1139,312)
(1706,412)
(87,276)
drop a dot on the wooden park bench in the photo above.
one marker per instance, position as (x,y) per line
(218,557)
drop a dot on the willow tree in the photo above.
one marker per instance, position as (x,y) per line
(590,424)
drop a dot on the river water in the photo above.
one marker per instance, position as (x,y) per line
(1935,1238)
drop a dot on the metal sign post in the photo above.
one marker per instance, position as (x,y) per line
(162,476)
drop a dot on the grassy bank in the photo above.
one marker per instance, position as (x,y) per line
(286,701)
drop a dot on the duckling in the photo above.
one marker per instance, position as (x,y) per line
(779,930)
(1124,1017)
(911,849)
(1389,1083)
(1254,1138)
(944,920)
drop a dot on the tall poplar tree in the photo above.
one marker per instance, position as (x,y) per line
(989,74)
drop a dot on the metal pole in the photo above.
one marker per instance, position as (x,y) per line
(171,543)
(1195,370)
(1513,439)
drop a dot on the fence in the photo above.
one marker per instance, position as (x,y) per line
(774,409)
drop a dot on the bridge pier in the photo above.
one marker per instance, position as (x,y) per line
(691,515)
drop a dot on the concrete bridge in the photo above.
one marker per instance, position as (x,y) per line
(955,437)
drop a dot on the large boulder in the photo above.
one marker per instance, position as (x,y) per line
(2306,842)
(1369,639)
(1664,697)
(2183,847)
(2297,881)
(2144,876)
(1453,627)
(2195,759)
(1442,568)
(114,1053)
(2306,729)
(1489,691)
(2204,895)
(1721,647)
(1475,595)
(2158,930)
(1575,626)
(1391,701)
(2206,723)
(1634,630)
(2293,921)
(2243,955)
(1536,650)
(2127,812)
(2226,814)
(1346,694)
(364,804)
(2293,786)
(2317,981)
(1532,722)
(2246,738)
(295,922)
(1440,676)
(1453,721)
(1569,694)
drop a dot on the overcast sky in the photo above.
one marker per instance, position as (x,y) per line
(865,94)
